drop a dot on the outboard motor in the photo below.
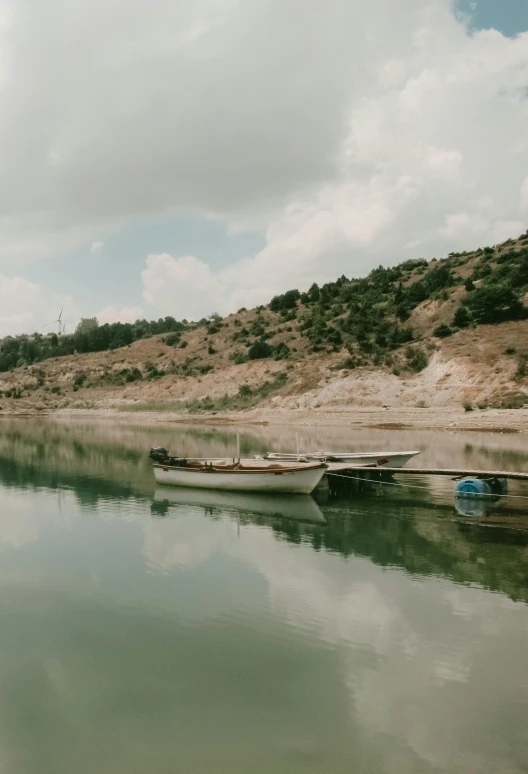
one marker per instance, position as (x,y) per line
(162,457)
(159,454)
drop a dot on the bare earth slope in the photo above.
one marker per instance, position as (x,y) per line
(480,368)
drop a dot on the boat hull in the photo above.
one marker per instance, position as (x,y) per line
(294,481)
(378,459)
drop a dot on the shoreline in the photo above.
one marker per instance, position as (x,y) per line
(487,420)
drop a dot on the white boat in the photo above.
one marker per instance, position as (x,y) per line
(355,459)
(299,507)
(241,475)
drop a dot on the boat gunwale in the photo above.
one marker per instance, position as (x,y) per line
(285,456)
(260,471)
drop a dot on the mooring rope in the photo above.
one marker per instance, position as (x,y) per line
(423,488)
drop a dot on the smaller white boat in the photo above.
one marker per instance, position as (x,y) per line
(355,459)
(290,477)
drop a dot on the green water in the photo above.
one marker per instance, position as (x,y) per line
(151,631)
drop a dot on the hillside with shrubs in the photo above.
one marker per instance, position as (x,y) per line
(453,329)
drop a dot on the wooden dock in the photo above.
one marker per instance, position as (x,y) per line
(344,468)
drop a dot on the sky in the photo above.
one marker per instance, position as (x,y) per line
(196,157)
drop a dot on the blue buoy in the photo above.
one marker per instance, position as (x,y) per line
(472,487)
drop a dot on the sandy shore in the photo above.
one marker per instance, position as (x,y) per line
(490,420)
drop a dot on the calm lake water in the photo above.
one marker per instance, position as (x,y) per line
(171,631)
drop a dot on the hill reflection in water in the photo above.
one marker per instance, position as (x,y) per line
(231,632)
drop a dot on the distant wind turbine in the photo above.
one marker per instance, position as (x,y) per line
(61,324)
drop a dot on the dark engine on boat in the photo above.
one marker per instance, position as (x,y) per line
(162,457)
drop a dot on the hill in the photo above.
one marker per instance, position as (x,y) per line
(444,333)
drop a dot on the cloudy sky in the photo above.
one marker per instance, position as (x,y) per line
(197,156)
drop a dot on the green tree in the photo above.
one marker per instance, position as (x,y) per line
(442,331)
(438,278)
(287,300)
(260,350)
(87,325)
(495,303)
(462,318)
(314,292)
(417,358)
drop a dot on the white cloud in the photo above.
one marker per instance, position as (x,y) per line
(504,229)
(124,314)
(179,286)
(422,170)
(445,163)
(523,204)
(186,107)
(461,224)
(372,128)
(96,247)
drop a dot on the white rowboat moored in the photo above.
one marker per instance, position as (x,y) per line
(242,475)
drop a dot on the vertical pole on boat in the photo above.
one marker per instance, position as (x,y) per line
(238,447)
(297,438)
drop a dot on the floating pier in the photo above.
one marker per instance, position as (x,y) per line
(344,468)
(342,478)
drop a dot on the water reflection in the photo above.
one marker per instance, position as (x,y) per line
(229,632)
(472,506)
(414,657)
(413,528)
(388,535)
(297,507)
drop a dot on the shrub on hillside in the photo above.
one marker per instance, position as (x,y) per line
(80,379)
(334,337)
(239,357)
(438,279)
(495,303)
(133,375)
(171,339)
(282,351)
(245,391)
(462,318)
(260,350)
(258,326)
(520,374)
(417,359)
(287,300)
(214,323)
(442,331)
(482,271)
